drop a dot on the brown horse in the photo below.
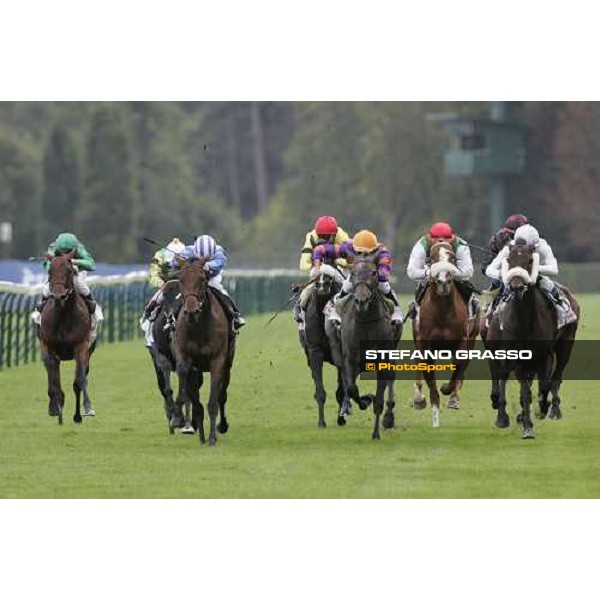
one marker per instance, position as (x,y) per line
(443,325)
(64,334)
(203,342)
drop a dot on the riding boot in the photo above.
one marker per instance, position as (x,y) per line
(419,293)
(231,310)
(40,306)
(91,303)
(334,316)
(298,313)
(150,309)
(397,315)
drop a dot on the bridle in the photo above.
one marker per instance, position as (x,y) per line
(65,284)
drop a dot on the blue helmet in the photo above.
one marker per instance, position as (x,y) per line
(205,246)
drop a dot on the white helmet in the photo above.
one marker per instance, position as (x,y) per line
(205,246)
(528,234)
(174,247)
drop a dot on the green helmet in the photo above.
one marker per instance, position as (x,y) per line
(66,242)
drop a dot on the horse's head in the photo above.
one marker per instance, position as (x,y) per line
(520,267)
(443,267)
(60,276)
(329,281)
(364,280)
(193,280)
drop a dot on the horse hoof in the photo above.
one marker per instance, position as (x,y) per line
(176,422)
(187,429)
(52,412)
(77,419)
(388,422)
(341,420)
(502,423)
(88,412)
(420,404)
(321,425)
(446,389)
(171,430)
(212,441)
(365,401)
(223,427)
(453,403)
(555,415)
(375,437)
(528,434)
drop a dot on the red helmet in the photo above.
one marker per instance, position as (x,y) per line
(515,221)
(326,226)
(441,230)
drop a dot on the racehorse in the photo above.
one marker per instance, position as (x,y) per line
(315,342)
(202,342)
(367,318)
(443,325)
(64,334)
(161,352)
(525,320)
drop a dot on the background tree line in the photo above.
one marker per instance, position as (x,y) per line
(256,174)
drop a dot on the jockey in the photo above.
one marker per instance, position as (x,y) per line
(500,239)
(206,247)
(419,269)
(82,261)
(529,235)
(364,244)
(326,231)
(157,275)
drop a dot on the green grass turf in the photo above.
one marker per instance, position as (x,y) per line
(274,449)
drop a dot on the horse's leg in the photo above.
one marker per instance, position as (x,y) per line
(340,394)
(217,372)
(55,394)
(388,417)
(184,367)
(223,425)
(563,354)
(378,407)
(495,393)
(502,418)
(544,383)
(190,407)
(77,391)
(163,369)
(434,398)
(316,370)
(419,401)
(82,368)
(525,382)
(197,408)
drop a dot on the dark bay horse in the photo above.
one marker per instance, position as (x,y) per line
(315,342)
(443,325)
(525,320)
(64,334)
(203,342)
(162,353)
(366,317)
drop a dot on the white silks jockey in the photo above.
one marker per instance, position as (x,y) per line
(548,267)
